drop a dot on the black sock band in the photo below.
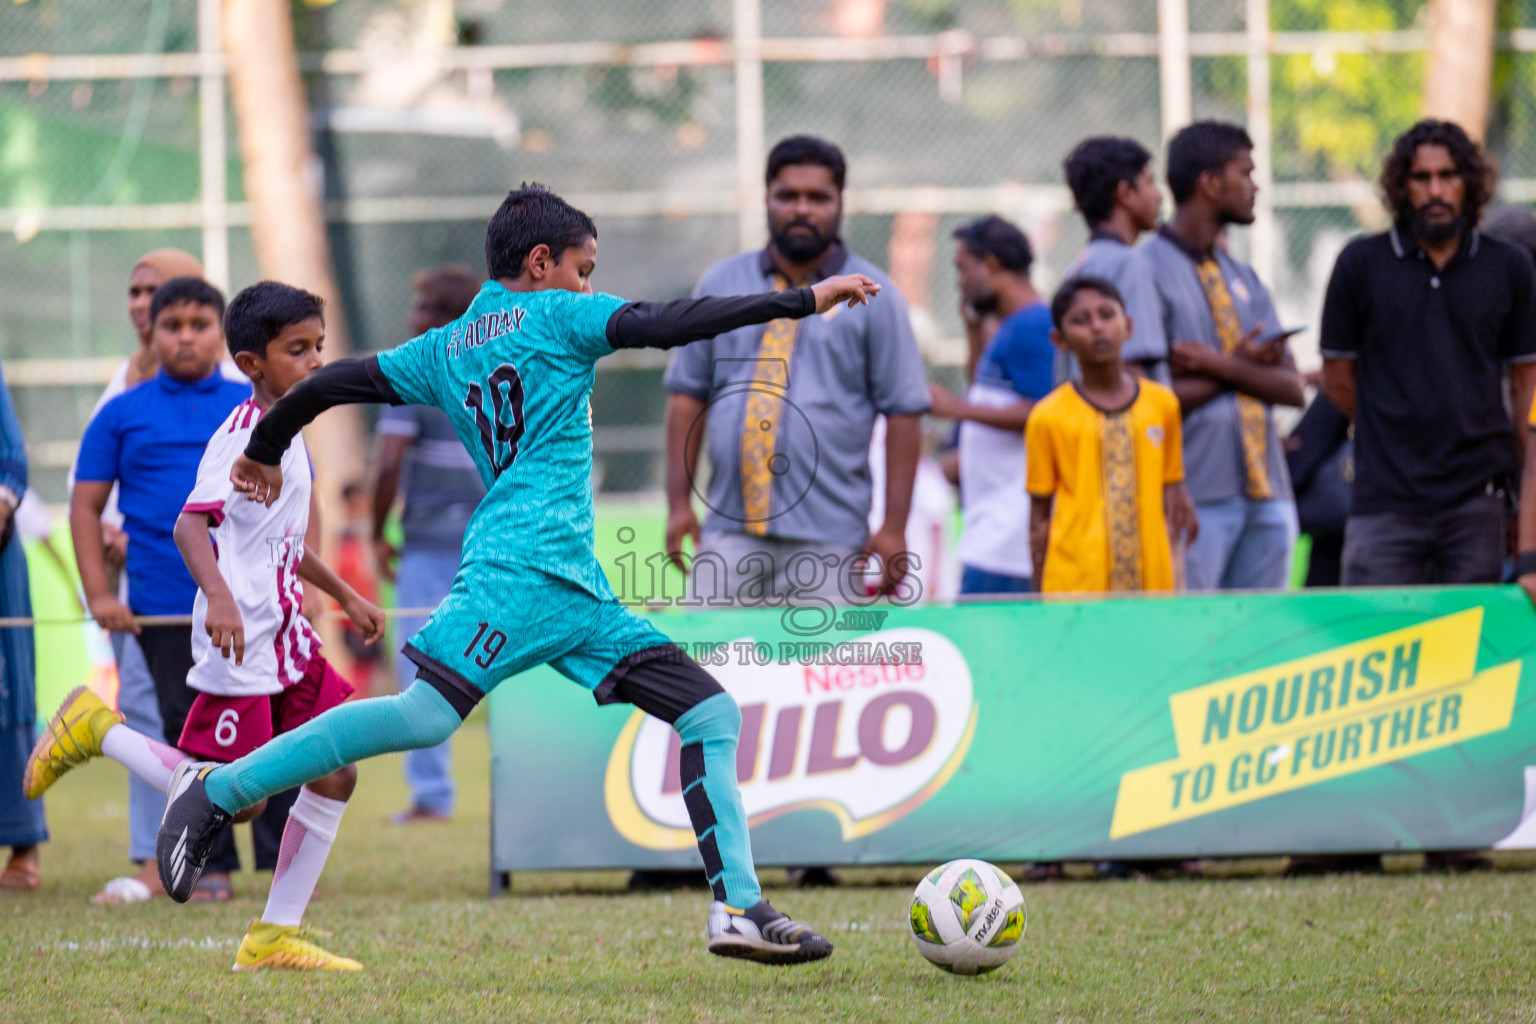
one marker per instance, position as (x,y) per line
(459,692)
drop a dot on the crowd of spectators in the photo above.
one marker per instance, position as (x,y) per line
(1405,467)
(787,420)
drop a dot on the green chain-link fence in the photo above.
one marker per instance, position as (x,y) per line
(425,110)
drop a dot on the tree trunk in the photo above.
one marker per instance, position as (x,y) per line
(1458,72)
(287,223)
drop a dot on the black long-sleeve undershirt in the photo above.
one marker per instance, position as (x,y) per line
(632,325)
(344,382)
(669,324)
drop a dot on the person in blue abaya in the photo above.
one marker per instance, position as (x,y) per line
(22,826)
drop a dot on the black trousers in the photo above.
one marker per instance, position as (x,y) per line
(168,654)
(1463,544)
(1325,565)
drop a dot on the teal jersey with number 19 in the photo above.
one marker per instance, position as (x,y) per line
(514,374)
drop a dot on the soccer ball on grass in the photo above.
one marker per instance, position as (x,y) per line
(967,917)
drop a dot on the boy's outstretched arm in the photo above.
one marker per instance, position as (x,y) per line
(258,473)
(365,615)
(669,324)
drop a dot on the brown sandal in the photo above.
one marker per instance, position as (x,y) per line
(20,875)
(212,890)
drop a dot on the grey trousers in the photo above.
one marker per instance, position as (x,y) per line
(740,570)
(141,713)
(1464,544)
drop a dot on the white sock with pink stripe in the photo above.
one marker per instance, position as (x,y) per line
(150,760)
(307,840)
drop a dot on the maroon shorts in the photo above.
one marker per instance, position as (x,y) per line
(224,728)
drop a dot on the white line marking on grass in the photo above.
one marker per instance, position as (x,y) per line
(140,942)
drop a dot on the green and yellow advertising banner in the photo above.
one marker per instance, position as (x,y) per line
(1339,721)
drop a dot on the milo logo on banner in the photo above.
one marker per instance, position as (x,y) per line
(866,743)
(1341,711)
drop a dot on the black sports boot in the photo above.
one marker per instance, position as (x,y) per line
(191,825)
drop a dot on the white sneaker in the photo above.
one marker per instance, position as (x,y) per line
(764,935)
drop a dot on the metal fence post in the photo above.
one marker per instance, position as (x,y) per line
(1262,238)
(747,40)
(1177,93)
(212,165)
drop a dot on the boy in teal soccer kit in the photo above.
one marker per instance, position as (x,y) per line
(528,571)
(514,375)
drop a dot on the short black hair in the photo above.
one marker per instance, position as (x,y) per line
(1074,286)
(1201,147)
(186,289)
(531,216)
(258,314)
(1095,170)
(993,236)
(807,149)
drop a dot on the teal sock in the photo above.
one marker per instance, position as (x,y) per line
(419,717)
(709,731)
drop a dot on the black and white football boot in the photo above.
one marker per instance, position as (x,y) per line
(763,934)
(191,825)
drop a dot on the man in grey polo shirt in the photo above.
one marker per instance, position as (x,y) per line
(787,410)
(1114,189)
(1215,314)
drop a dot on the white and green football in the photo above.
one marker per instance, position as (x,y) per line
(967,917)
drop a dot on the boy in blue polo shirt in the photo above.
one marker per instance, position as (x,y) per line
(149,441)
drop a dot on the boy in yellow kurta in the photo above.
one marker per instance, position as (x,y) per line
(1104,460)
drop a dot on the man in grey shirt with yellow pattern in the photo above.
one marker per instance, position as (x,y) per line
(787,410)
(1216,314)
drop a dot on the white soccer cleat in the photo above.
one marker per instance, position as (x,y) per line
(763,935)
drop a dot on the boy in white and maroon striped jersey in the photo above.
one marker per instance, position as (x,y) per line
(257,666)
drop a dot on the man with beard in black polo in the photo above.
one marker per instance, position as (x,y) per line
(1422,327)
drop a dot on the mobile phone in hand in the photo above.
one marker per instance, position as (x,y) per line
(1275,337)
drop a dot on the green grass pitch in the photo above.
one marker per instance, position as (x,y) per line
(411,904)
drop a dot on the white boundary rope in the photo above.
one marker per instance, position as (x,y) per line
(17,622)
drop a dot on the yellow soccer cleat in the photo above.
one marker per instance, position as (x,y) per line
(287,948)
(73,737)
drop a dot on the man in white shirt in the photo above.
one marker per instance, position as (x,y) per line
(992,261)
